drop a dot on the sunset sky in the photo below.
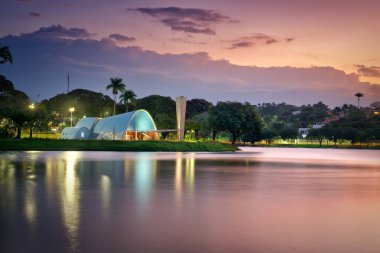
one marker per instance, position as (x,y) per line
(257,51)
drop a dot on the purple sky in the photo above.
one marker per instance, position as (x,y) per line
(258,51)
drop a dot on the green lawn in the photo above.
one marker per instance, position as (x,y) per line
(315,145)
(98,145)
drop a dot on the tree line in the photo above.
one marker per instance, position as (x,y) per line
(238,122)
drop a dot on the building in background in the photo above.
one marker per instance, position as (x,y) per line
(130,126)
(135,125)
(181,115)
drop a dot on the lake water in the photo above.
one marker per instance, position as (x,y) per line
(256,200)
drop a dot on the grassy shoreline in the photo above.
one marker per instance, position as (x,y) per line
(98,145)
(373,147)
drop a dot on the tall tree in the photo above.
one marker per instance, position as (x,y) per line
(252,123)
(89,103)
(196,106)
(116,86)
(317,134)
(235,118)
(128,97)
(289,133)
(13,104)
(5,55)
(227,116)
(359,95)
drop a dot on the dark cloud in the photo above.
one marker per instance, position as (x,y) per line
(189,40)
(372,71)
(290,39)
(256,39)
(187,20)
(43,65)
(186,26)
(238,44)
(59,31)
(121,38)
(35,14)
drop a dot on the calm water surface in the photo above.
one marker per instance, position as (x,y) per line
(256,200)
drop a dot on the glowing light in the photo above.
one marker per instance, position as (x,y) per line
(31,106)
(71,109)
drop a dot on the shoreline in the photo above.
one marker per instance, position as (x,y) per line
(103,145)
(314,146)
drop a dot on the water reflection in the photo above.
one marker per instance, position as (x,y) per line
(105,188)
(190,171)
(154,202)
(70,197)
(189,175)
(7,182)
(178,177)
(30,207)
(145,177)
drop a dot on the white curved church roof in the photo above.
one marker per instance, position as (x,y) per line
(77,133)
(115,127)
(111,128)
(87,122)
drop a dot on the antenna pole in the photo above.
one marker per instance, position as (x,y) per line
(68,83)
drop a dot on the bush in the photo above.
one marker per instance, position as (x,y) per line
(5,133)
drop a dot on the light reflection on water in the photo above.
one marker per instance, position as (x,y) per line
(145,177)
(70,196)
(258,200)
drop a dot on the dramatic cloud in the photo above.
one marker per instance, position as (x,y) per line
(121,38)
(255,39)
(59,31)
(187,19)
(43,64)
(35,14)
(372,71)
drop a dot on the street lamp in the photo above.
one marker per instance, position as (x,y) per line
(31,107)
(71,109)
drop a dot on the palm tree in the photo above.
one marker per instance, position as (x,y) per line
(116,85)
(128,97)
(5,55)
(359,95)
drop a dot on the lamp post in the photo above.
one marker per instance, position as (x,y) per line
(71,109)
(31,107)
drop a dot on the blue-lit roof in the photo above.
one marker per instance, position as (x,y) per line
(87,122)
(115,127)
(112,128)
